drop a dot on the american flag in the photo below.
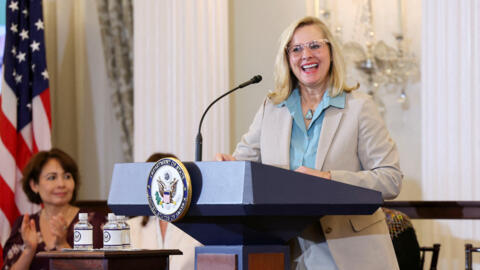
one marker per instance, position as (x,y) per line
(25,118)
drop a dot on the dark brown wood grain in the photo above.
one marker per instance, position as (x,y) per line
(266,261)
(437,209)
(106,260)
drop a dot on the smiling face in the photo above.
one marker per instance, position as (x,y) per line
(310,67)
(55,186)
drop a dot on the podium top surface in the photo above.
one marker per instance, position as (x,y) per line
(244,188)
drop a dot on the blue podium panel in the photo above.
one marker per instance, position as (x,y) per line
(243,202)
(128,190)
(245,230)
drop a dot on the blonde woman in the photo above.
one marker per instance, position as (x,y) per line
(315,123)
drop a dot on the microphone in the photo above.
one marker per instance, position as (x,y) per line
(199,139)
(255,79)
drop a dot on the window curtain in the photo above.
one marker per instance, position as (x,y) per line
(83,118)
(181,65)
(450,122)
(116,24)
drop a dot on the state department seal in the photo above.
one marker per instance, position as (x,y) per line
(169,189)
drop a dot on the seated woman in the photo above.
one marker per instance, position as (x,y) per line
(50,178)
(153,233)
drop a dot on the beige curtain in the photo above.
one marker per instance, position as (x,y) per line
(116,24)
(181,65)
(84,123)
(450,122)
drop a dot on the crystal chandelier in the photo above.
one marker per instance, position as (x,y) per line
(380,66)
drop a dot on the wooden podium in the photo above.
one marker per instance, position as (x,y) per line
(111,260)
(244,212)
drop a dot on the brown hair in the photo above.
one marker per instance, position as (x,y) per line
(154,158)
(32,171)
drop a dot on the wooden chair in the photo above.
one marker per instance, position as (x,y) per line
(436,252)
(468,255)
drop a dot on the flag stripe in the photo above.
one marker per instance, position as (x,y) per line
(26,134)
(45,97)
(40,121)
(10,210)
(8,167)
(35,147)
(9,107)
(8,132)
(4,230)
(23,154)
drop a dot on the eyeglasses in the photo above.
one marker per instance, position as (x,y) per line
(314,46)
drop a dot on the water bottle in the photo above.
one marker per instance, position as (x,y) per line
(83,233)
(122,221)
(112,234)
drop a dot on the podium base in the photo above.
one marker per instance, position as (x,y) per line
(242,257)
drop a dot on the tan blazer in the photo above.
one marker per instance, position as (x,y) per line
(356,148)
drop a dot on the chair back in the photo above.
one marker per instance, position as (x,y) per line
(409,254)
(468,255)
(435,253)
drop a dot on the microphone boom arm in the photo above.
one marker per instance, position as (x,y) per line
(199,139)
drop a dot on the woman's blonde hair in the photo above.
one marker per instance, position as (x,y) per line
(285,80)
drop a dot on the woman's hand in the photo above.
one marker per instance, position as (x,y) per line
(58,228)
(28,230)
(306,170)
(224,157)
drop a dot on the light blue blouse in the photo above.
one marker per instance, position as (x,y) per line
(304,141)
(303,152)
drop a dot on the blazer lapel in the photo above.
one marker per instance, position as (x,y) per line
(284,136)
(331,121)
(276,138)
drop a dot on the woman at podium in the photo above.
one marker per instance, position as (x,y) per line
(315,123)
(50,178)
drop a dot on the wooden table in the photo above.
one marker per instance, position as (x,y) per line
(437,209)
(102,259)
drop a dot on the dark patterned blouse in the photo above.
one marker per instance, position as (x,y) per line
(404,240)
(14,245)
